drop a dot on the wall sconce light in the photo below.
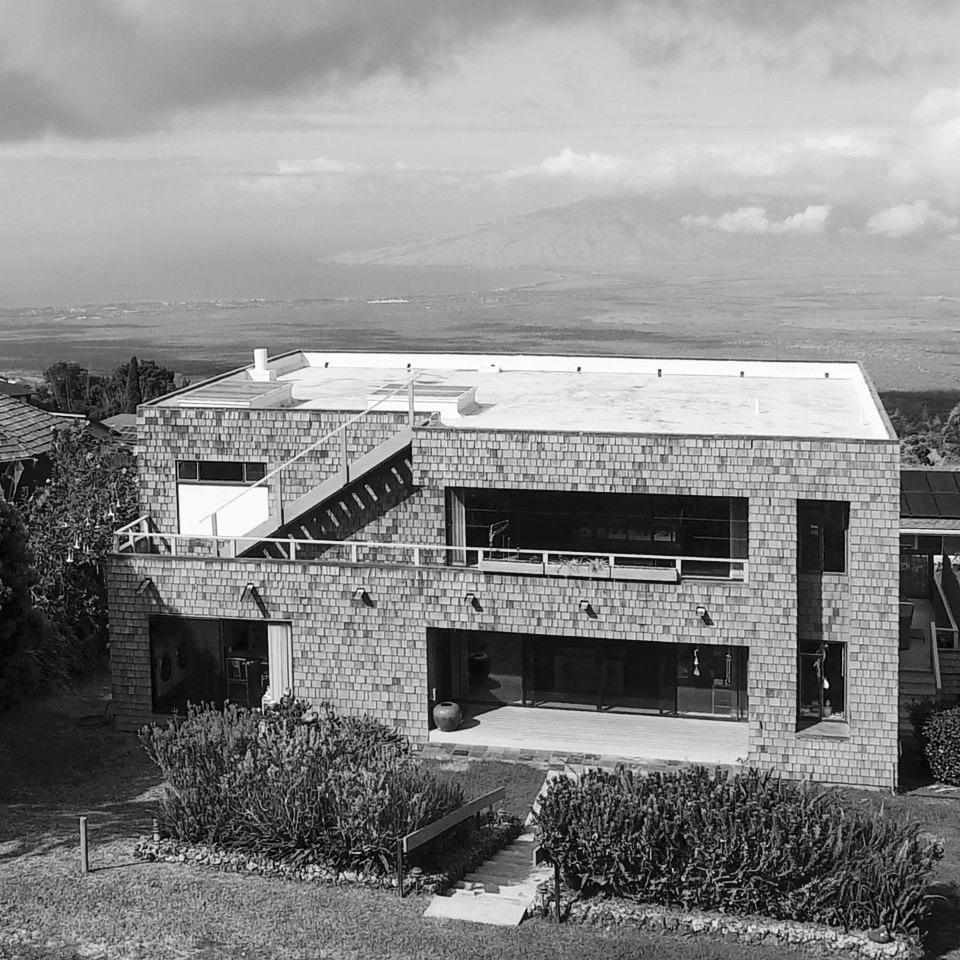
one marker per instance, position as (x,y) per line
(144,585)
(587,607)
(470,599)
(360,595)
(703,615)
(249,590)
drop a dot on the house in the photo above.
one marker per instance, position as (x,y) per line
(696,556)
(27,436)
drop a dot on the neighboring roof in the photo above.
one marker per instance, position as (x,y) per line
(16,389)
(585,394)
(930,495)
(124,425)
(25,431)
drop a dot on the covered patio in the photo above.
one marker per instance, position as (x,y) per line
(630,736)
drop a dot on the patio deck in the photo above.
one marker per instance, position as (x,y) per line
(628,736)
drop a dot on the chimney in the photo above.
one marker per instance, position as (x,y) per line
(261,372)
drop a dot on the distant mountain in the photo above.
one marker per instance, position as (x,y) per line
(624,232)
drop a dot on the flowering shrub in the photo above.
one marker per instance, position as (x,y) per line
(744,844)
(307,786)
(941,744)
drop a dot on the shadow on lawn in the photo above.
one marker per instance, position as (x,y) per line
(55,770)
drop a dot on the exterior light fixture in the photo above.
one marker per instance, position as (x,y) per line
(249,590)
(361,595)
(470,599)
(703,615)
(146,585)
(586,607)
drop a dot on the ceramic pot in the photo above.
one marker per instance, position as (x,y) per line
(478,667)
(447,716)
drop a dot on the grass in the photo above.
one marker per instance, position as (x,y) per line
(51,771)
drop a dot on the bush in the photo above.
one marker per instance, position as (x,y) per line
(743,844)
(922,709)
(941,743)
(293,783)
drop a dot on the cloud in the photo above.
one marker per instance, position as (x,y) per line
(907,219)
(107,67)
(596,167)
(104,67)
(755,221)
(834,38)
(929,158)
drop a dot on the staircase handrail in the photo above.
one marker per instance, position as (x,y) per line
(935,656)
(945,603)
(406,385)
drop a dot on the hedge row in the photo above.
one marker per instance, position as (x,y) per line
(287,784)
(742,844)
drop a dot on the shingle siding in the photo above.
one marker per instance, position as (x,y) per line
(375,657)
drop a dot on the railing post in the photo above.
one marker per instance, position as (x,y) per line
(344,455)
(213,523)
(410,403)
(400,869)
(84,852)
(293,549)
(416,556)
(353,551)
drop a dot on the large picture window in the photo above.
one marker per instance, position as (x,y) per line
(605,523)
(228,491)
(821,682)
(219,471)
(200,660)
(822,535)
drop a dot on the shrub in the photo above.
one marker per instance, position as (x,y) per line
(922,709)
(308,786)
(941,737)
(747,843)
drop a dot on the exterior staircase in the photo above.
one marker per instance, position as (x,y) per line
(500,891)
(338,511)
(914,685)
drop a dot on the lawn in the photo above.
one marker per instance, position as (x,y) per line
(51,770)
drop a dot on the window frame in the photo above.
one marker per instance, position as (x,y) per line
(252,472)
(832,521)
(821,656)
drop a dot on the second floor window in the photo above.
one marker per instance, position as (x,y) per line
(219,471)
(822,536)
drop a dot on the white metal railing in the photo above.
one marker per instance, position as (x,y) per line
(948,637)
(341,430)
(138,537)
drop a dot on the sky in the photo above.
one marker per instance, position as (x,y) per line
(164,149)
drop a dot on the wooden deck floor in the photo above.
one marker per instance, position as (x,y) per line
(631,736)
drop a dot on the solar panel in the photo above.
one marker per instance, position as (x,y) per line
(913,480)
(922,505)
(948,504)
(943,481)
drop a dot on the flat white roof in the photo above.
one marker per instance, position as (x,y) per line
(584,394)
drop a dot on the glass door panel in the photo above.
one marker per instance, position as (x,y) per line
(705,681)
(630,675)
(566,672)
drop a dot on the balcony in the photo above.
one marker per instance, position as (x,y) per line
(141,537)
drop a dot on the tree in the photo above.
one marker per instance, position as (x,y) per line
(16,578)
(134,395)
(70,521)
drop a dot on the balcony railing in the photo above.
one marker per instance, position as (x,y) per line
(141,537)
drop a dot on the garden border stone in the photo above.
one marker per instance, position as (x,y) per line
(746,929)
(485,842)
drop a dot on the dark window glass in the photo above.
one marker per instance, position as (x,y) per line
(220,471)
(821,682)
(510,520)
(196,660)
(822,535)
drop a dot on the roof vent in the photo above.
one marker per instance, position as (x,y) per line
(261,371)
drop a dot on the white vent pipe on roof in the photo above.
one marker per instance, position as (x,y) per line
(261,372)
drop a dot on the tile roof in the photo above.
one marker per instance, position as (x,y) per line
(25,431)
